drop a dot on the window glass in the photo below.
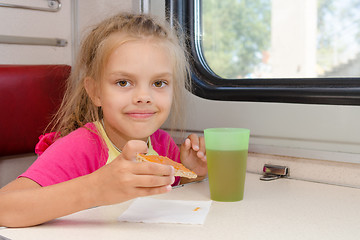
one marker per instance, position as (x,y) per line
(281,38)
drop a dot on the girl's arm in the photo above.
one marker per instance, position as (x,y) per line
(25,203)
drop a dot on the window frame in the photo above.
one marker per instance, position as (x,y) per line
(206,84)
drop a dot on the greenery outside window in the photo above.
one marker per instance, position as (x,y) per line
(273,50)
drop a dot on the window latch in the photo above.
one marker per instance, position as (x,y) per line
(272,172)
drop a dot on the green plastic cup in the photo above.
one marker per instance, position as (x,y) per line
(226,154)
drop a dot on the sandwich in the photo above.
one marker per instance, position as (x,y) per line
(180,170)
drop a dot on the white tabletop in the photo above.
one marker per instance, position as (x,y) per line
(280,209)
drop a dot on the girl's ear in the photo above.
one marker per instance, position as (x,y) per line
(92,90)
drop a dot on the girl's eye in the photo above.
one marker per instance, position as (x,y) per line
(160,84)
(123,83)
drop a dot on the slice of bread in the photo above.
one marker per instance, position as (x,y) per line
(180,170)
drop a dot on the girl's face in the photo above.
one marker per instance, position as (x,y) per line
(136,90)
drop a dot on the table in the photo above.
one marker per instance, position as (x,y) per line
(279,209)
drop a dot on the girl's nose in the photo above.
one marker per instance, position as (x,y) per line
(142,96)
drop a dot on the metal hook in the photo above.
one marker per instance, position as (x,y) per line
(55,6)
(272,172)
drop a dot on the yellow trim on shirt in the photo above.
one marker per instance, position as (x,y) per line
(113,152)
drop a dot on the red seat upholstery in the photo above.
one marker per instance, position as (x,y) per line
(29,96)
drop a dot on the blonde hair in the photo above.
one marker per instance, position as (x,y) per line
(77,108)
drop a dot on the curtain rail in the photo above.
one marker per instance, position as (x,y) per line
(33,41)
(54,6)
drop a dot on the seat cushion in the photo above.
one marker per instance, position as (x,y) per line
(29,96)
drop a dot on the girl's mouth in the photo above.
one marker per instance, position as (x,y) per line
(140,115)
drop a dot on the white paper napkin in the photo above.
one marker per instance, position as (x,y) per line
(150,210)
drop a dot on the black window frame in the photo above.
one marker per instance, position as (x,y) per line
(206,84)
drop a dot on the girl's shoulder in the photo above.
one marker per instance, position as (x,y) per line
(76,154)
(79,136)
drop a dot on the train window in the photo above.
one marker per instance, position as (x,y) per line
(273,50)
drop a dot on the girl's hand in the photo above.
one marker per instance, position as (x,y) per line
(124,178)
(192,154)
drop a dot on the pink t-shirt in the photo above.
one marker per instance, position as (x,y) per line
(82,152)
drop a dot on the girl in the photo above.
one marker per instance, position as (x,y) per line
(131,71)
